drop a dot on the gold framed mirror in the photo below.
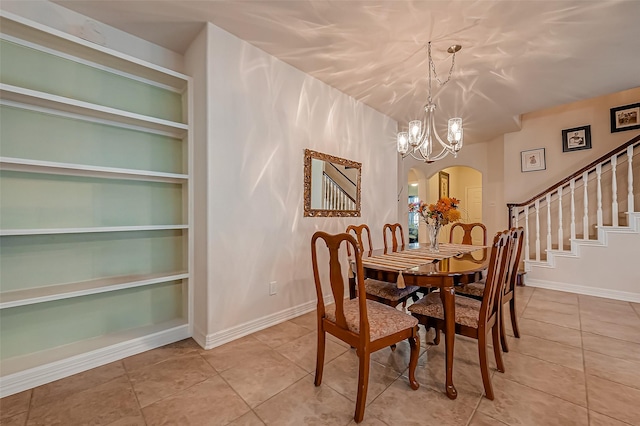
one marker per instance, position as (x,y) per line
(331,185)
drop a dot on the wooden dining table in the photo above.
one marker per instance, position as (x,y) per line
(444,273)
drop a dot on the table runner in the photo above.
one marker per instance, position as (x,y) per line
(403,260)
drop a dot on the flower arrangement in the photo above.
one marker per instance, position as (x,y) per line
(443,212)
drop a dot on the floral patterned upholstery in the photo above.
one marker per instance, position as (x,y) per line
(473,289)
(389,291)
(383,320)
(467,309)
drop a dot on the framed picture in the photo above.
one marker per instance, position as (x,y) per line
(532,160)
(576,139)
(443,184)
(625,118)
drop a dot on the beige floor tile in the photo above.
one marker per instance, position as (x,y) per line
(594,300)
(17,420)
(547,350)
(630,333)
(554,379)
(209,402)
(15,404)
(249,419)
(237,353)
(597,419)
(305,404)
(60,389)
(612,347)
(613,369)
(516,404)
(636,307)
(369,420)
(551,317)
(465,348)
(480,419)
(614,400)
(561,308)
(543,330)
(160,354)
(303,351)
(341,374)
(263,377)
(400,405)
(100,405)
(398,359)
(308,320)
(280,334)
(554,296)
(137,420)
(163,379)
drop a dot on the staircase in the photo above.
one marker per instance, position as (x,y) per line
(583,234)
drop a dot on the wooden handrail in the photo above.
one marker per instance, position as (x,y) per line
(579,172)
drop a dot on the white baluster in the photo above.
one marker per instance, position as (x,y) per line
(515,219)
(630,207)
(599,195)
(572,186)
(537,230)
(614,190)
(548,222)
(585,216)
(560,231)
(526,233)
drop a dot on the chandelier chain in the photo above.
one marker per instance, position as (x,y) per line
(433,68)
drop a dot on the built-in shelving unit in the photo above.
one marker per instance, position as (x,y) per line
(95,205)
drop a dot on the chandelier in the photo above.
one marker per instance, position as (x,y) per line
(420,140)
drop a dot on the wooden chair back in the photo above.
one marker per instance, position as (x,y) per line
(491,299)
(337,282)
(515,254)
(467,228)
(358,231)
(394,229)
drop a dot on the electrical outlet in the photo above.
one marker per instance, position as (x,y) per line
(273,288)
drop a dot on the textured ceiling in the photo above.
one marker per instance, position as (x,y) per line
(517,56)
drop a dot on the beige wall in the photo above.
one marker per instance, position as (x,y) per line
(543,129)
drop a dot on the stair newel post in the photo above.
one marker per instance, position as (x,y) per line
(572,186)
(526,234)
(614,190)
(599,194)
(548,199)
(515,219)
(630,206)
(560,231)
(585,216)
(537,230)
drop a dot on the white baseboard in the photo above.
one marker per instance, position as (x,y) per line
(225,336)
(46,373)
(581,289)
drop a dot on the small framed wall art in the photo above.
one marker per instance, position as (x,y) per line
(443,184)
(625,118)
(532,160)
(576,139)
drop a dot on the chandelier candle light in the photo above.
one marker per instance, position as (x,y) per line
(444,212)
(420,139)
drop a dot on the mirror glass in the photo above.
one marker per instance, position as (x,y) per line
(331,185)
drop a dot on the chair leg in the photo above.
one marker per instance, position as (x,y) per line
(436,340)
(484,366)
(414,342)
(320,357)
(363,384)
(393,347)
(495,331)
(503,333)
(514,318)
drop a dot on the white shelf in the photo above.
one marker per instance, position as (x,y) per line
(60,103)
(51,231)
(85,347)
(12,299)
(69,169)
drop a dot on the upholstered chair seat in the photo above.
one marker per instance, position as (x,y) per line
(473,289)
(467,309)
(383,320)
(388,291)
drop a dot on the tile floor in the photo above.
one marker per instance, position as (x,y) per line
(577,363)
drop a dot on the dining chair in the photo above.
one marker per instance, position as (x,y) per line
(365,325)
(467,229)
(380,291)
(474,318)
(393,228)
(476,290)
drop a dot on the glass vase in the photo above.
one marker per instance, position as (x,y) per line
(434,233)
